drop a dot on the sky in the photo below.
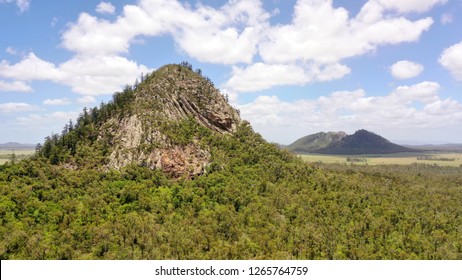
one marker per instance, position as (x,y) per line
(292,67)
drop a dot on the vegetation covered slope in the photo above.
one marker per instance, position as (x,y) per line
(315,141)
(253,201)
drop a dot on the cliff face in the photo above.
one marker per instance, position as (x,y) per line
(177,93)
(159,129)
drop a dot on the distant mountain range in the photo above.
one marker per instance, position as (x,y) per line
(16,145)
(361,142)
(457,148)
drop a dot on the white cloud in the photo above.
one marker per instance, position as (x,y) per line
(13,107)
(87,100)
(57,101)
(230,95)
(226,35)
(30,68)
(23,5)
(309,48)
(15,86)
(375,10)
(260,76)
(451,59)
(279,120)
(405,69)
(93,36)
(100,74)
(330,72)
(425,92)
(310,37)
(409,6)
(105,8)
(86,75)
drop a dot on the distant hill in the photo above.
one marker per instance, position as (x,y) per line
(361,142)
(16,145)
(447,148)
(316,141)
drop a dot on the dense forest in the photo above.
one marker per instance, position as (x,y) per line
(253,201)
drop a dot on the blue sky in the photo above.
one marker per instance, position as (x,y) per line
(293,67)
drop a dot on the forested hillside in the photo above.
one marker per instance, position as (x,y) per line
(250,200)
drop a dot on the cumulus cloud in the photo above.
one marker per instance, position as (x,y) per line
(311,38)
(86,100)
(100,74)
(226,35)
(451,59)
(105,8)
(15,86)
(424,92)
(261,76)
(13,107)
(85,75)
(30,68)
(352,110)
(405,69)
(312,49)
(409,6)
(56,101)
(93,36)
(239,33)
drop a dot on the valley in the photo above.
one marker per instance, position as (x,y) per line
(6,154)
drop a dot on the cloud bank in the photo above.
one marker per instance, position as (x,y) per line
(238,34)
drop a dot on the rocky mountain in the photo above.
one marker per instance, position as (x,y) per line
(361,142)
(157,123)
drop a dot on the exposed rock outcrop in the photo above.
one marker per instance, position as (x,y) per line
(146,134)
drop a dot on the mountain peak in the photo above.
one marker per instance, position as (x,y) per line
(177,92)
(361,142)
(158,123)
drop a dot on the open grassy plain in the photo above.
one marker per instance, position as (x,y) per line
(441,159)
(5,155)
